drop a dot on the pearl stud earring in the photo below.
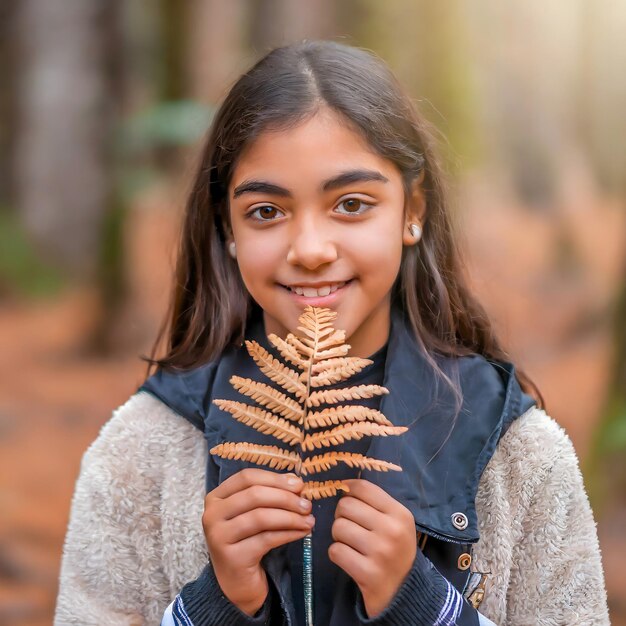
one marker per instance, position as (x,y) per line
(232,249)
(416,231)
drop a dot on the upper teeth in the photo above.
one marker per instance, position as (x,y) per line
(310,292)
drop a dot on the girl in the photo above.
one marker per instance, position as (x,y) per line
(318,185)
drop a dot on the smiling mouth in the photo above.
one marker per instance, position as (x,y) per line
(310,292)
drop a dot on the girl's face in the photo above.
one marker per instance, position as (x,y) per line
(314,208)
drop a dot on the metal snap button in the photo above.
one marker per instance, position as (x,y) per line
(465,560)
(459,520)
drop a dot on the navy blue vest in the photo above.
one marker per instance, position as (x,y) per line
(442,455)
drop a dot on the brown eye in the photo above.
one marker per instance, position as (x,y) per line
(354,206)
(265,213)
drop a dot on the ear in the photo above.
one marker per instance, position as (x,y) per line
(228,232)
(415,209)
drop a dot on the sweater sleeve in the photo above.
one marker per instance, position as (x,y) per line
(425,598)
(558,577)
(202,603)
(112,566)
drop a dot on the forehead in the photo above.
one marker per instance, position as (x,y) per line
(313,150)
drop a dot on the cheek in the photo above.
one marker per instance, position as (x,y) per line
(258,260)
(378,250)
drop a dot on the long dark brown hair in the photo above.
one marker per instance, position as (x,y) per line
(210,306)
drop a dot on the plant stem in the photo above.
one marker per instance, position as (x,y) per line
(308,578)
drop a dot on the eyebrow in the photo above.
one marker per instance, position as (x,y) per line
(341,180)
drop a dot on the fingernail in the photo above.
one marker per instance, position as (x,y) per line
(304,504)
(293,480)
(310,520)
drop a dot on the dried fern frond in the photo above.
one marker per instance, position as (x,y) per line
(289,351)
(273,456)
(323,462)
(342,414)
(332,396)
(275,370)
(320,356)
(352,364)
(269,398)
(314,490)
(344,432)
(263,421)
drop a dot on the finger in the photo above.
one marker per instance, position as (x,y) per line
(360,512)
(256,476)
(263,542)
(261,496)
(357,566)
(371,494)
(263,520)
(353,535)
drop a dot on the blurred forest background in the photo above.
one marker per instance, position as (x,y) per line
(103,107)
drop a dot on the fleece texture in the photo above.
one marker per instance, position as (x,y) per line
(135,533)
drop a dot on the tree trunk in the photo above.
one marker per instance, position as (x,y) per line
(62,175)
(279,22)
(8,108)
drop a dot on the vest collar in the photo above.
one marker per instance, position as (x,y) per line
(446,448)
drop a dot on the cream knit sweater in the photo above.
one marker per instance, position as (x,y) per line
(135,533)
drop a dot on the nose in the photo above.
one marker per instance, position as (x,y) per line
(310,245)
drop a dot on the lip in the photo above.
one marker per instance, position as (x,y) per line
(328,300)
(318,284)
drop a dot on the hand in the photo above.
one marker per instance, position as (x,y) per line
(244,517)
(375,542)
